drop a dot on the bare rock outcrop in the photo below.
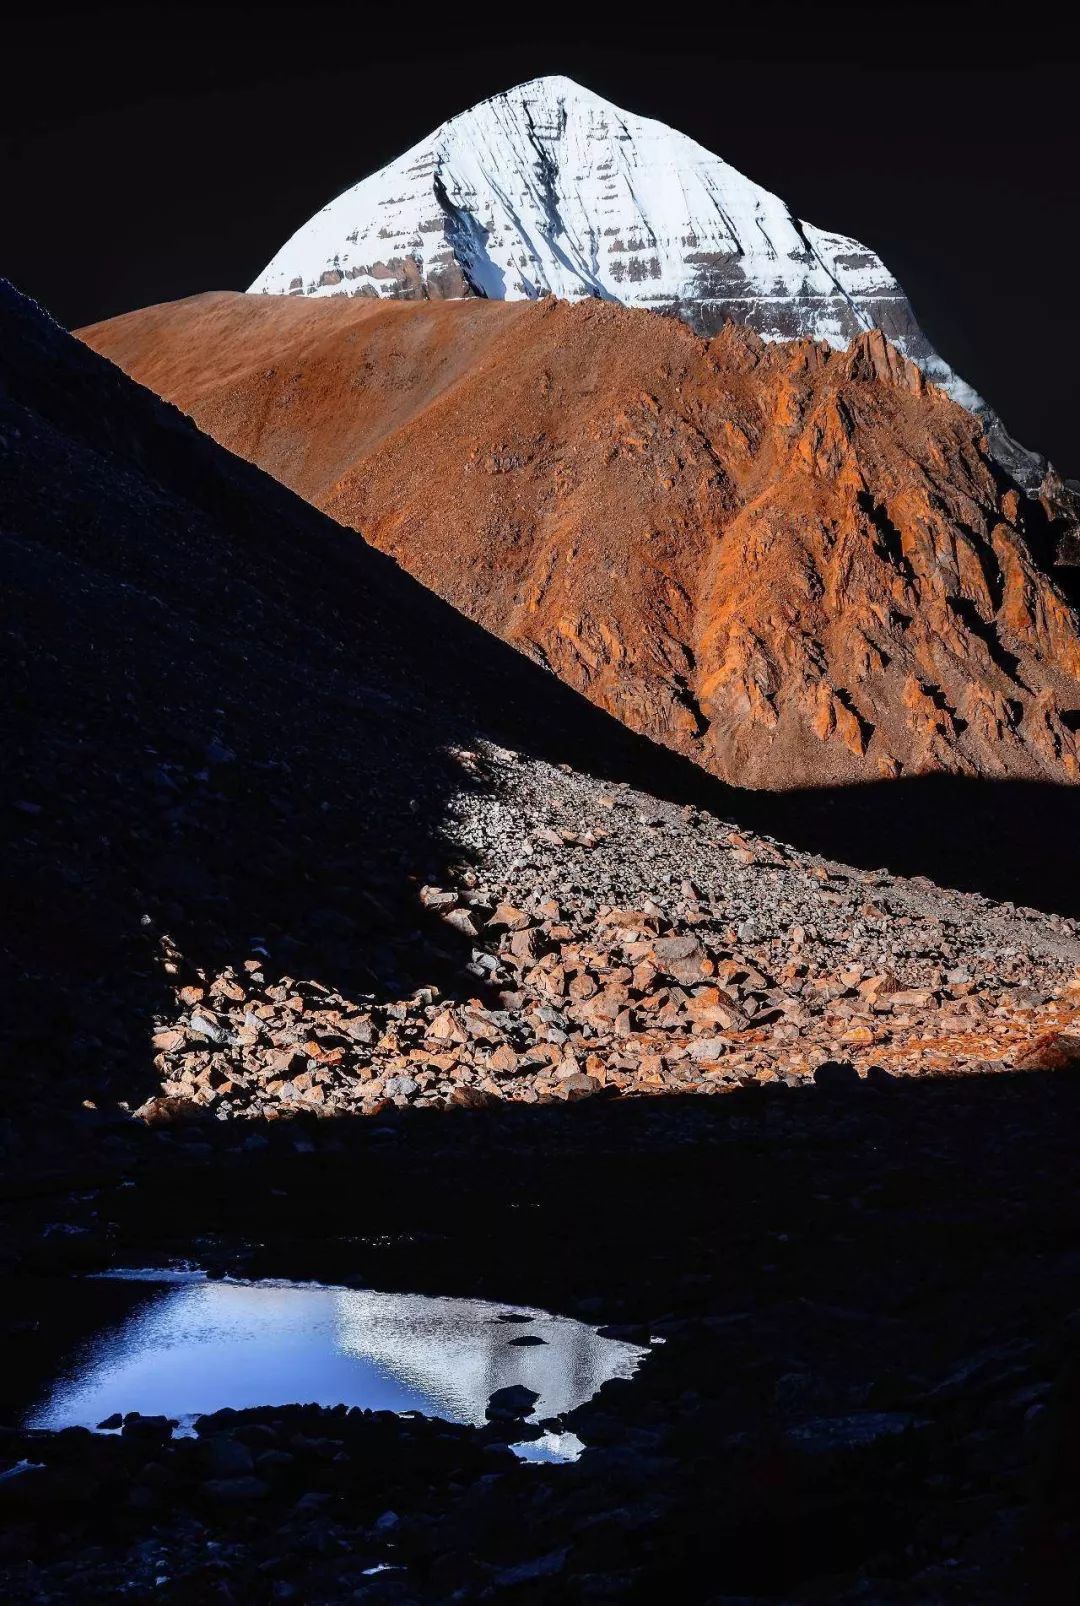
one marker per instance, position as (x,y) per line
(797,565)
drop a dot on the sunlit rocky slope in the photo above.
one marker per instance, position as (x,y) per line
(796,565)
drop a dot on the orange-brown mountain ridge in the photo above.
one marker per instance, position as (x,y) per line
(799,566)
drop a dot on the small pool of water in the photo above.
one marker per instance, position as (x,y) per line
(188,1345)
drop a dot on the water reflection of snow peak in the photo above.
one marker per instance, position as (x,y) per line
(192,1346)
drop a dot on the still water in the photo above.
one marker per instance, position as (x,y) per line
(191,1345)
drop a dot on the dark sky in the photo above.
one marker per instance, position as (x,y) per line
(153,151)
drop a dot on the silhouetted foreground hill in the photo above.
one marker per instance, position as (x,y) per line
(222,718)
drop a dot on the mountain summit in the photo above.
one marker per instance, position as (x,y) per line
(548,188)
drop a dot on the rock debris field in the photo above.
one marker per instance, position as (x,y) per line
(621,945)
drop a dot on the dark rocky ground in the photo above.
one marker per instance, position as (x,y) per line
(258,781)
(869,1300)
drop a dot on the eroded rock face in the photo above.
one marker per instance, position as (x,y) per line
(798,565)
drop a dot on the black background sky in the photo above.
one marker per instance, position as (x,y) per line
(153,151)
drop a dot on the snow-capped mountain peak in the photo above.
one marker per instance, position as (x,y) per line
(549,188)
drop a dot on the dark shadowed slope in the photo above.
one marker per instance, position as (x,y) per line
(224,720)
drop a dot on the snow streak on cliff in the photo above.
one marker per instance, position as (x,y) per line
(550,189)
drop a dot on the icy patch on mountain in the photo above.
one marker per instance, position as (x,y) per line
(550,189)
